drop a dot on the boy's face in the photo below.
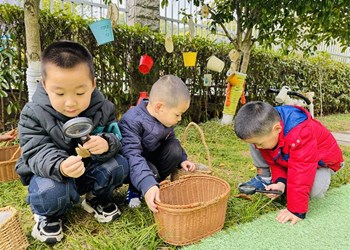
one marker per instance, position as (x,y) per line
(171,116)
(268,141)
(69,90)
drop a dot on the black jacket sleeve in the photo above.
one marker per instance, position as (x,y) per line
(114,147)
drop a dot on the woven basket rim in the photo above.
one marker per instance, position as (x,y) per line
(14,213)
(197,205)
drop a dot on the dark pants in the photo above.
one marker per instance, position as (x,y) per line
(164,160)
(52,198)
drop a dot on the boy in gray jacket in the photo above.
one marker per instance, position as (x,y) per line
(49,165)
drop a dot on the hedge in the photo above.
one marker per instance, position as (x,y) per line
(116,66)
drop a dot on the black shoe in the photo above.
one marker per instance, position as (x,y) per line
(47,229)
(103,212)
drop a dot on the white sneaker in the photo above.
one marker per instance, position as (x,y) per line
(103,212)
(47,229)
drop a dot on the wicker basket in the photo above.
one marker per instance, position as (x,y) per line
(8,157)
(200,168)
(191,208)
(11,231)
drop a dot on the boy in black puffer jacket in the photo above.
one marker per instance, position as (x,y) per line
(49,165)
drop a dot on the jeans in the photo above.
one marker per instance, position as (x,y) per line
(52,198)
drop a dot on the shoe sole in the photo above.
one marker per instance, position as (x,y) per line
(98,217)
(52,239)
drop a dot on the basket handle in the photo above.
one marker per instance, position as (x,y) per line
(200,131)
(14,154)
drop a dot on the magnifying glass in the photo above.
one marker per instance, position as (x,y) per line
(248,189)
(79,127)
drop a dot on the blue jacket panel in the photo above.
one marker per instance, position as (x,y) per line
(142,134)
(291,117)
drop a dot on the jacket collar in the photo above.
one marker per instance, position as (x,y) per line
(291,116)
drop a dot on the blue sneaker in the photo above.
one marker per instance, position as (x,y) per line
(257,182)
(133,199)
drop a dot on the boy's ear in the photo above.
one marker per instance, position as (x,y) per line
(94,83)
(43,83)
(158,107)
(277,128)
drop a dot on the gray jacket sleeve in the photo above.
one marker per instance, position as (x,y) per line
(39,153)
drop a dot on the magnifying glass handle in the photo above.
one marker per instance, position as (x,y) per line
(270,191)
(85,138)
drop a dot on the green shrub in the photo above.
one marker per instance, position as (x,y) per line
(118,77)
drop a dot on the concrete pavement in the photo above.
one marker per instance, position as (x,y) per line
(343,138)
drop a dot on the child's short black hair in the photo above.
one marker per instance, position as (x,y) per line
(66,54)
(255,119)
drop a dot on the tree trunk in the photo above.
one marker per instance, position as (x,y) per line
(246,57)
(247,46)
(31,21)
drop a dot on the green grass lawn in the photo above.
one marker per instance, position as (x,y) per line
(135,229)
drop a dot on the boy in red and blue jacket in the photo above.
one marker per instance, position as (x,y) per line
(300,152)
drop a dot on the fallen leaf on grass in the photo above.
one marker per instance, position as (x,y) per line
(244,196)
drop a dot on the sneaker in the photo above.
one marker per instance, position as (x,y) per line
(47,229)
(103,212)
(133,199)
(257,182)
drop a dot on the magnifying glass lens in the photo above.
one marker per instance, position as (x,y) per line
(77,127)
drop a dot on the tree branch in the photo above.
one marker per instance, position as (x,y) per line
(228,35)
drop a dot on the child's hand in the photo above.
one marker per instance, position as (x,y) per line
(285,216)
(278,186)
(188,166)
(151,195)
(8,136)
(73,167)
(96,145)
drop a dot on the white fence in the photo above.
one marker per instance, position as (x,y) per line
(170,19)
(336,52)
